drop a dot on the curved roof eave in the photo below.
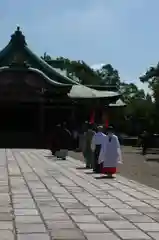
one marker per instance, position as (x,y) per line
(81,91)
(49,80)
(77,91)
(48,67)
(37,71)
(5,50)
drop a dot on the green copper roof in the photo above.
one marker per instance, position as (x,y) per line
(49,70)
(81,91)
(18,45)
(36,71)
(18,52)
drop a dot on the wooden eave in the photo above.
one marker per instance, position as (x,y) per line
(18,44)
(49,74)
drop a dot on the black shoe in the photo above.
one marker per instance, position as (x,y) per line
(96,171)
(110,176)
(87,167)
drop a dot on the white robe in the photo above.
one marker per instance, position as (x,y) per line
(98,139)
(110,153)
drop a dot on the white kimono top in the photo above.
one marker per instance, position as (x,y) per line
(110,153)
(98,139)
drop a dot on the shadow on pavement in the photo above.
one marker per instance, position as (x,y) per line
(81,168)
(89,173)
(105,177)
(152,160)
(49,157)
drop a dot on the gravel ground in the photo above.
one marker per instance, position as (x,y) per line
(136,167)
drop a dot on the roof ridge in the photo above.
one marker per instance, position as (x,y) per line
(46,65)
(18,41)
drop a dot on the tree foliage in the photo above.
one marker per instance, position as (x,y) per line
(77,70)
(139,113)
(152,78)
(108,75)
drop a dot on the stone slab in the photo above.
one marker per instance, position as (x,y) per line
(33,236)
(56,199)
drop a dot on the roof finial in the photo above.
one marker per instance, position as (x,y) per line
(18,38)
(18,28)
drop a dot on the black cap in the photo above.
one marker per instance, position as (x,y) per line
(110,128)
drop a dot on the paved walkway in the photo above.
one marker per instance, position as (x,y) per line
(43,199)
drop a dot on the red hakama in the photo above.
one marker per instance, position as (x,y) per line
(109,170)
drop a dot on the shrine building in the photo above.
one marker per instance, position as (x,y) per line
(34,96)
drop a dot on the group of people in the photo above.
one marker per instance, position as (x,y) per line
(101,150)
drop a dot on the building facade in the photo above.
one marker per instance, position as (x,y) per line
(34,97)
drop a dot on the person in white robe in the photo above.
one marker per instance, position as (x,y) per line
(110,154)
(96,145)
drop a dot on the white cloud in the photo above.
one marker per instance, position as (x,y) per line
(97,66)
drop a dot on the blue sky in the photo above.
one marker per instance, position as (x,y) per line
(124,33)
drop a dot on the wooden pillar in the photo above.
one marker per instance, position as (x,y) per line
(41,117)
(98,112)
(72,117)
(93,112)
(105,116)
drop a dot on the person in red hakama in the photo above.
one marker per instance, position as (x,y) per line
(110,154)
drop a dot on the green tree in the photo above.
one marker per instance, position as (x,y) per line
(139,112)
(78,70)
(131,92)
(108,75)
(83,73)
(152,78)
(139,109)
(46,57)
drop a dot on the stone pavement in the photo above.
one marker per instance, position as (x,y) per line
(42,198)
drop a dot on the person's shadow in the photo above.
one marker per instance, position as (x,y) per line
(49,157)
(105,177)
(81,168)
